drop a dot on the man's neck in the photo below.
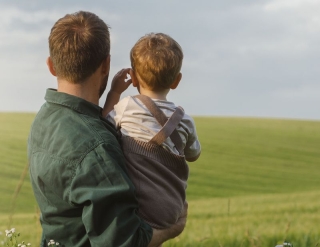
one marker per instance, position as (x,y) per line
(83,90)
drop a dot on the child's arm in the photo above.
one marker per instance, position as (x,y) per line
(192,159)
(192,149)
(118,86)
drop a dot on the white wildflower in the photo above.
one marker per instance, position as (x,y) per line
(57,243)
(10,232)
(12,239)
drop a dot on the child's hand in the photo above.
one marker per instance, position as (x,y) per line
(121,81)
(119,84)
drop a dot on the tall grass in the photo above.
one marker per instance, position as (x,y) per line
(256,183)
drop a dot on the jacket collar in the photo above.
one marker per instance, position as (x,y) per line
(78,104)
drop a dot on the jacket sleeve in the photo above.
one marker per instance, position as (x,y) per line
(102,188)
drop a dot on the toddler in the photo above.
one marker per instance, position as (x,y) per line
(157,137)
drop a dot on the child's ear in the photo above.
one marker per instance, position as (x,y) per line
(134,80)
(50,66)
(176,81)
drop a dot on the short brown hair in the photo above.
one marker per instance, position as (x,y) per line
(156,59)
(78,44)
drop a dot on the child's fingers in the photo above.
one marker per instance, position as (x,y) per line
(121,80)
(123,74)
(125,71)
(128,82)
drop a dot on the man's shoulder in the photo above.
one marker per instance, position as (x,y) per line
(85,129)
(63,131)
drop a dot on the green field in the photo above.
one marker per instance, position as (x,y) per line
(256,183)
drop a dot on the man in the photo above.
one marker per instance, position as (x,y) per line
(77,168)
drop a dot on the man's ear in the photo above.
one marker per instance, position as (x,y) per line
(176,81)
(106,65)
(50,66)
(134,79)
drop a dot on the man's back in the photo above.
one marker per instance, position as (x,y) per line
(78,173)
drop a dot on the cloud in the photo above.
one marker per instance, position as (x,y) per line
(20,28)
(279,5)
(301,93)
(241,57)
(9,14)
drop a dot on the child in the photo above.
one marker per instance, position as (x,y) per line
(156,150)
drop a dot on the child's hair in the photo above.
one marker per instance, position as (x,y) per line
(156,59)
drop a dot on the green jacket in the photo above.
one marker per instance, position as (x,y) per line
(79,178)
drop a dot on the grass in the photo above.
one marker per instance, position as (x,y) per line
(255,184)
(14,129)
(260,156)
(263,220)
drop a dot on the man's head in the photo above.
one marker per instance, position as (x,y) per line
(78,44)
(156,60)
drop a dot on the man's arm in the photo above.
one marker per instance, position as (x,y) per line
(102,188)
(118,86)
(160,236)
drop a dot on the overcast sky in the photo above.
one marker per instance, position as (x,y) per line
(255,58)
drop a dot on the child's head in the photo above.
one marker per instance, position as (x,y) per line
(156,60)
